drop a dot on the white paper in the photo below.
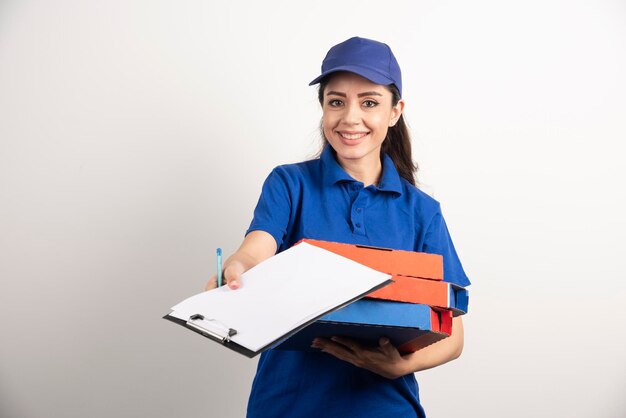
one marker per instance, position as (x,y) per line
(281,293)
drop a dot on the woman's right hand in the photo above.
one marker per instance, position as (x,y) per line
(256,247)
(231,276)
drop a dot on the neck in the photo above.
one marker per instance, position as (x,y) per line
(367,172)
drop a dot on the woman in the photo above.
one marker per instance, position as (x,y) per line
(360,191)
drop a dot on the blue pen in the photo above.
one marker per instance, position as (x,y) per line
(219,267)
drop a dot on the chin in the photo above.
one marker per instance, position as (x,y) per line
(355,154)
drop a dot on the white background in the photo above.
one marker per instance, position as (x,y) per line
(135,136)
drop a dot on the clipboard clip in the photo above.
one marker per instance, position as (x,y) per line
(211,328)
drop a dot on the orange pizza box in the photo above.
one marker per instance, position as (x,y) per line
(394,262)
(428,292)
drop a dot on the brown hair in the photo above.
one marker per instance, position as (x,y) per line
(397,143)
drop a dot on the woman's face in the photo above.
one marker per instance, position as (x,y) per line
(356,116)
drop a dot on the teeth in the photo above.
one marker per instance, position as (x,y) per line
(353,136)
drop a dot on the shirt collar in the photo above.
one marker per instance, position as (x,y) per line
(333,173)
(390,180)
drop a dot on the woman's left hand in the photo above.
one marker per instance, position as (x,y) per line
(384,360)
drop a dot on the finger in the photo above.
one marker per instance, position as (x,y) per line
(387,347)
(347,342)
(319,342)
(212,283)
(327,345)
(336,350)
(232,275)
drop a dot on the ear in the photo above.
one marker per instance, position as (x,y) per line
(396,112)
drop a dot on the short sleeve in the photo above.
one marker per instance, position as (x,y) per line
(273,208)
(438,241)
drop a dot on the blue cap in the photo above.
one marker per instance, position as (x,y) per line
(369,59)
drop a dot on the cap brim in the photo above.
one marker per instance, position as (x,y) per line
(371,75)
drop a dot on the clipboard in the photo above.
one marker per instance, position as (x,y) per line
(283,295)
(223,335)
(198,324)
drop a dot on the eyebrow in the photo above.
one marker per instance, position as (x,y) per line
(366,93)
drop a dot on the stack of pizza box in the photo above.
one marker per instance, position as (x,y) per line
(414,311)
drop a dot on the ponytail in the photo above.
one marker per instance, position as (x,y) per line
(397,145)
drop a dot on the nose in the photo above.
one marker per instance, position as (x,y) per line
(352,114)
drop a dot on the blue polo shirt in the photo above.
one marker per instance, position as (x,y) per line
(317,199)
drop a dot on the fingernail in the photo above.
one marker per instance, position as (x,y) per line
(384,340)
(233,284)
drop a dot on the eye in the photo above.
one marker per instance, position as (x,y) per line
(370,103)
(335,102)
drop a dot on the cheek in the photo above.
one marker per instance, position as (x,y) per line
(380,121)
(387,118)
(328,121)
(326,129)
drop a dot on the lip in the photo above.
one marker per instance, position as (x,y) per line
(352,137)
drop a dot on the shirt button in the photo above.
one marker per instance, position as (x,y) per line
(358,210)
(358,225)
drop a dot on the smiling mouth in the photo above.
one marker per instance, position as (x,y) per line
(352,136)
